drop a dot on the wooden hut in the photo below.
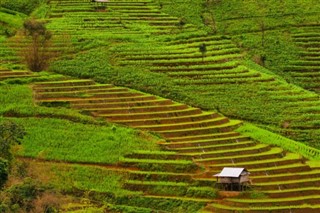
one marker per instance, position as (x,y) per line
(100,4)
(233,179)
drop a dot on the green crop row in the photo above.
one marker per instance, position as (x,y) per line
(162,203)
(267,137)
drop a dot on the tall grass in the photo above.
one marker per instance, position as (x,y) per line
(68,178)
(59,139)
(56,139)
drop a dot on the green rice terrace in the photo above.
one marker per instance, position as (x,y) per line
(137,105)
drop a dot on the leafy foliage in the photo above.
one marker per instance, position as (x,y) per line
(4,171)
(36,53)
(10,134)
(55,139)
(21,195)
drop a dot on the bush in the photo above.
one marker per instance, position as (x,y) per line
(22,195)
(38,39)
(4,171)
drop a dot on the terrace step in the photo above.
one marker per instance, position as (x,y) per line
(74,88)
(206,73)
(171,189)
(234,153)
(174,51)
(160,176)
(313,199)
(92,100)
(192,55)
(154,187)
(69,83)
(289,184)
(149,115)
(203,143)
(213,147)
(200,130)
(203,137)
(4,74)
(201,200)
(295,192)
(123,104)
(158,155)
(186,62)
(180,126)
(173,166)
(291,167)
(286,176)
(207,67)
(67,97)
(223,208)
(15,76)
(248,156)
(139,109)
(170,120)
(262,165)
(226,80)
(93,91)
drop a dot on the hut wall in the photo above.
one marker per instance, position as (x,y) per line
(244,178)
(225,180)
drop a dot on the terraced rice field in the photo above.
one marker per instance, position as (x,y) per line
(199,144)
(215,76)
(119,17)
(7,73)
(220,73)
(305,71)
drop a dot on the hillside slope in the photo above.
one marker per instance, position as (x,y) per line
(133,43)
(144,45)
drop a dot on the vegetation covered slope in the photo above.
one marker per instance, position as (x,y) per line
(139,42)
(207,71)
(64,154)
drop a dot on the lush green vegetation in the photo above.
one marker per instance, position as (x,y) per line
(270,138)
(97,65)
(70,178)
(254,25)
(16,100)
(56,139)
(23,6)
(204,53)
(10,21)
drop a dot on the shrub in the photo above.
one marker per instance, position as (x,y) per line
(38,39)
(22,195)
(3,173)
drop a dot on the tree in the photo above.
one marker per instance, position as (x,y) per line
(10,134)
(203,50)
(37,53)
